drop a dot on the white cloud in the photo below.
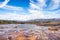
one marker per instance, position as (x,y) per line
(36,10)
(7,7)
(2,4)
(12,16)
(55,4)
(15,15)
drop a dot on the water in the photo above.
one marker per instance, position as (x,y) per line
(25,27)
(41,32)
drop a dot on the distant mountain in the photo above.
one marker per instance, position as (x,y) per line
(44,20)
(29,21)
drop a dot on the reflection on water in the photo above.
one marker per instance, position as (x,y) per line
(17,27)
(28,31)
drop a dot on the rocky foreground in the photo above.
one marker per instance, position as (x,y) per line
(27,32)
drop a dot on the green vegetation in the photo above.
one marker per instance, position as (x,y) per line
(47,23)
(9,22)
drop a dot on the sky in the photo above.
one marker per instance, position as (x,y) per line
(22,10)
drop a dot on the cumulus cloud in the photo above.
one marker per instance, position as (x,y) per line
(17,13)
(12,16)
(15,16)
(37,10)
(2,4)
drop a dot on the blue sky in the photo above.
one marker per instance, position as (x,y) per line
(29,9)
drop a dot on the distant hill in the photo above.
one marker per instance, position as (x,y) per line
(9,22)
(41,22)
(44,20)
